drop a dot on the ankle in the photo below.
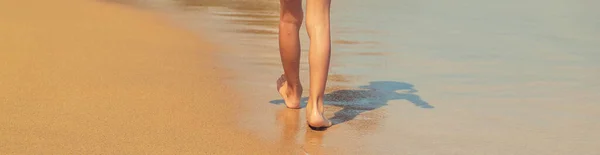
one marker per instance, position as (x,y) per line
(314,102)
(294,87)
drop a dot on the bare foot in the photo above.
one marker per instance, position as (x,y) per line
(315,118)
(290,97)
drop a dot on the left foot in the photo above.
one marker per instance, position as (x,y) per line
(290,96)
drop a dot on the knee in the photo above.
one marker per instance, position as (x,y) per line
(317,22)
(291,18)
(291,12)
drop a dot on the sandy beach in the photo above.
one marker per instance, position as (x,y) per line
(198,77)
(89,77)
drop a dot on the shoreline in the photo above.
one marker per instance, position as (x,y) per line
(100,77)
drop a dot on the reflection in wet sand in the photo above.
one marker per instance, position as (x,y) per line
(313,142)
(290,122)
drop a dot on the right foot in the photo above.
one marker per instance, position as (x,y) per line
(290,97)
(315,118)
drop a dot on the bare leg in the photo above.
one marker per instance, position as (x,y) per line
(288,84)
(317,25)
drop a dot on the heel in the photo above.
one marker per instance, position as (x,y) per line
(319,124)
(320,128)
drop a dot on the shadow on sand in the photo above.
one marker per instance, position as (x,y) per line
(367,98)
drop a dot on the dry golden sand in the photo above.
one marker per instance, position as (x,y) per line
(87,77)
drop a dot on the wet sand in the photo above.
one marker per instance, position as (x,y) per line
(428,77)
(88,77)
